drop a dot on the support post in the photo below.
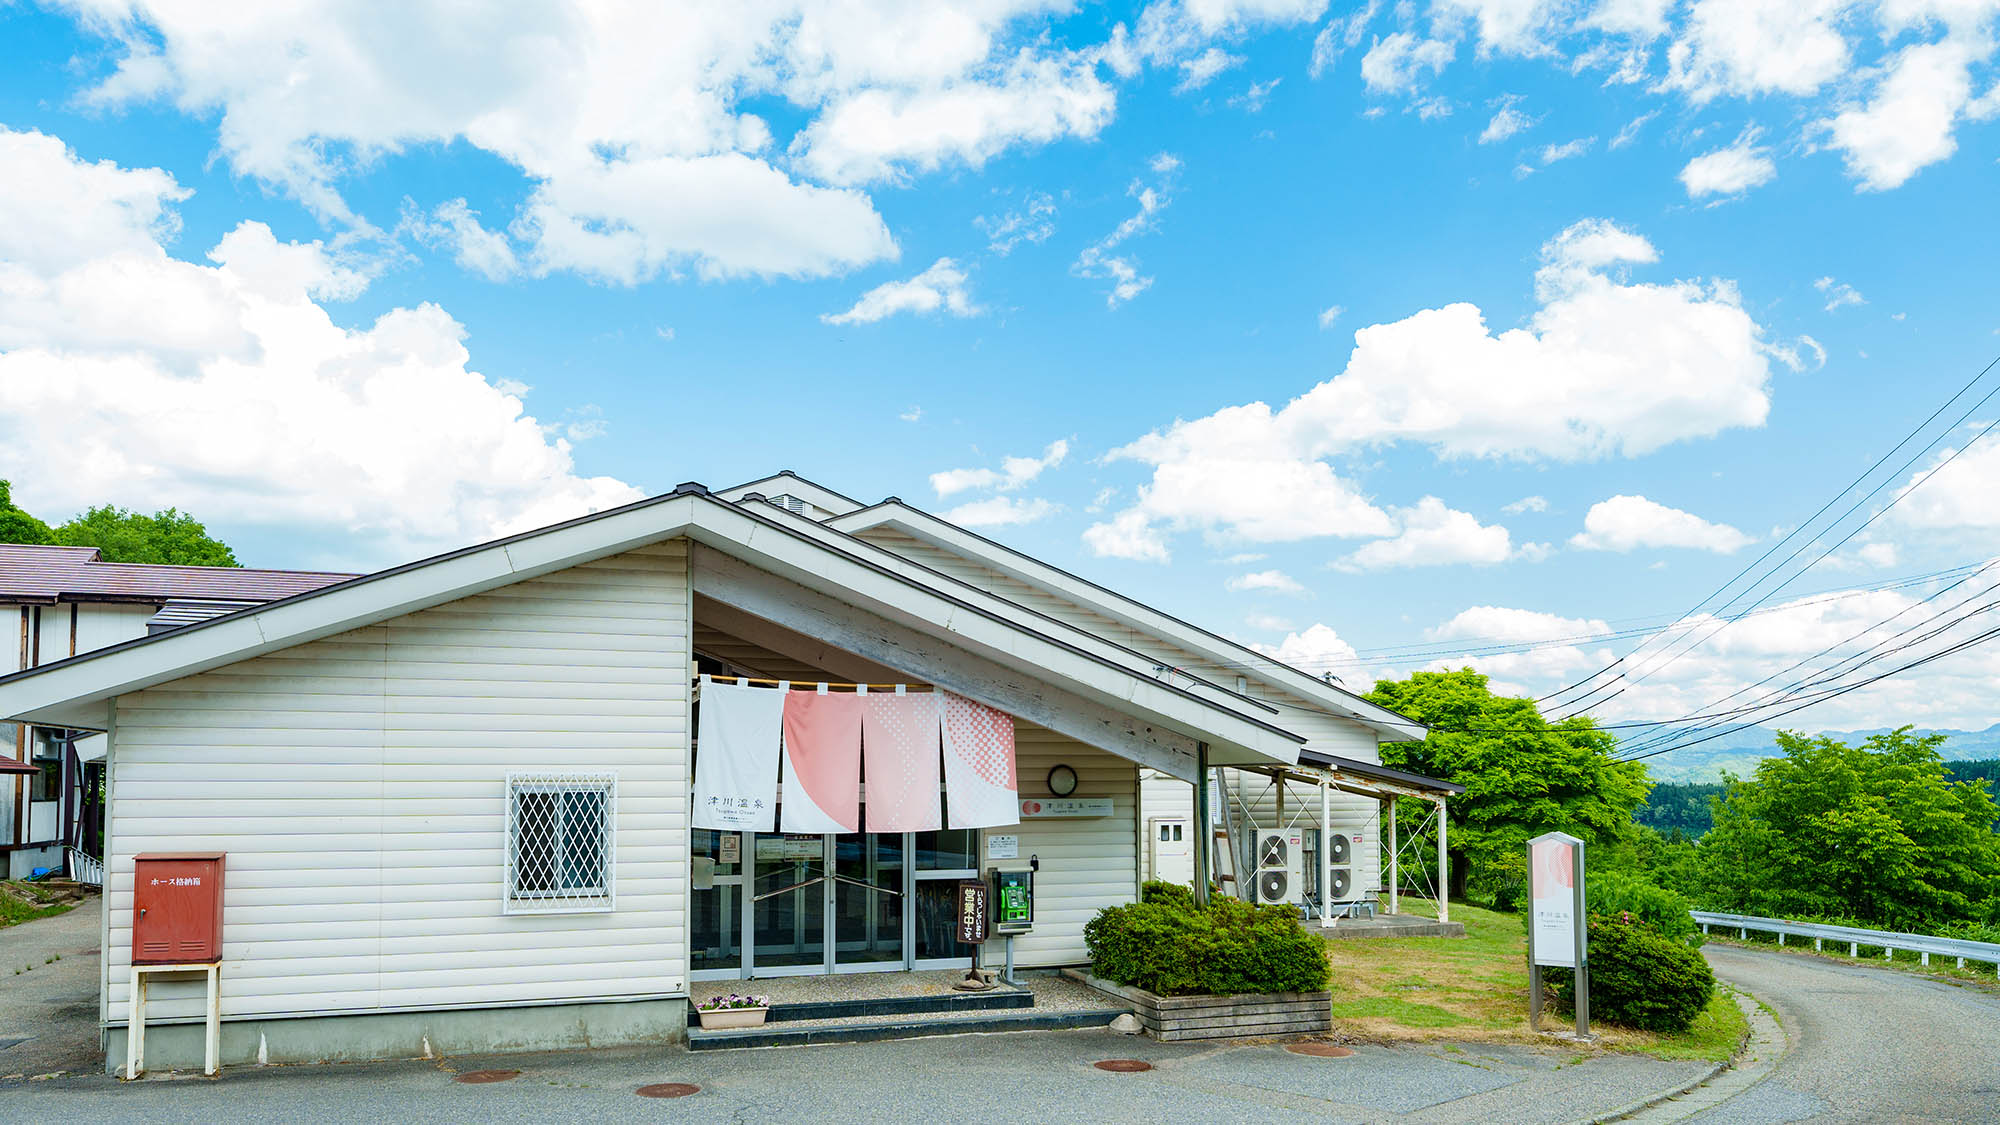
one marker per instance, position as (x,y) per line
(1326,854)
(1395,861)
(1204,827)
(1444,869)
(1534,995)
(1582,947)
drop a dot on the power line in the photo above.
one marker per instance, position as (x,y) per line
(1879,462)
(1836,667)
(1656,665)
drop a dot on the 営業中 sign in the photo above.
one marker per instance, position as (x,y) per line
(973,924)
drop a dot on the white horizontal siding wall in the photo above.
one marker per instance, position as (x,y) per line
(1353,816)
(358,786)
(1088,863)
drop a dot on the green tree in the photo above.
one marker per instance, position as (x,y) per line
(1523,775)
(17,526)
(1877,832)
(171,536)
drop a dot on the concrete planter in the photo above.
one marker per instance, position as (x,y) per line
(1169,1018)
(732,1017)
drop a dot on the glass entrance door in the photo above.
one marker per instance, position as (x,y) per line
(788,903)
(868,897)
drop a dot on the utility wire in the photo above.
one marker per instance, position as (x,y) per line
(1879,462)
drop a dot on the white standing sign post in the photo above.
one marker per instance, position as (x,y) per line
(1557,932)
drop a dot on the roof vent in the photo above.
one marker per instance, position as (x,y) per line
(792,504)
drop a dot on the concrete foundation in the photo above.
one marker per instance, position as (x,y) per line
(1389,926)
(407,1035)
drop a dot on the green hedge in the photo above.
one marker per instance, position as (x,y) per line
(1168,945)
(1639,978)
(1611,893)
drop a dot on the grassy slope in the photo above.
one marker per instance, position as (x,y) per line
(24,902)
(1476,988)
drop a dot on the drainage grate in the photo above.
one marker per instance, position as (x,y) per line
(474,1077)
(1123,1066)
(668,1090)
(1319,1050)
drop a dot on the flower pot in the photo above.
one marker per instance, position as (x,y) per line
(732,1017)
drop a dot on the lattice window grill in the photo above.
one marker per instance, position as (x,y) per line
(561,832)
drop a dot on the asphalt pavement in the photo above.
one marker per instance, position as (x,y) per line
(1865,1044)
(48,994)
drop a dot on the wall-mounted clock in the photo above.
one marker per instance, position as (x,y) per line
(1062,781)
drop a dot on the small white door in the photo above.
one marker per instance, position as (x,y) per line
(1172,848)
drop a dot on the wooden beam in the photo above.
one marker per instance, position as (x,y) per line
(909,652)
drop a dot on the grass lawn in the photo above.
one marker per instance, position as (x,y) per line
(1476,988)
(24,902)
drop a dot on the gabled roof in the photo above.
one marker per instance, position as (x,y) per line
(45,575)
(1227,653)
(785,482)
(74,692)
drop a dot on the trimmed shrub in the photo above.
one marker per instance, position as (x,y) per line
(1639,978)
(1170,894)
(1612,893)
(1168,945)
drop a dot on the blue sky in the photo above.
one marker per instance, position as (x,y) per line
(1600,298)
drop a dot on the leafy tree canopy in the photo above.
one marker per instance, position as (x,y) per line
(1523,775)
(17,526)
(1877,832)
(171,536)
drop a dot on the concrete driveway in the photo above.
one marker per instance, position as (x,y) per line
(48,994)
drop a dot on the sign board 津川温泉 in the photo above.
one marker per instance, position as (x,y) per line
(1003,847)
(1048,807)
(973,924)
(1554,876)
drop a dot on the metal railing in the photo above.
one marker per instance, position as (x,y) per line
(1855,937)
(86,869)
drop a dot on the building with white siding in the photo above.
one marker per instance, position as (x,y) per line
(58,602)
(379,757)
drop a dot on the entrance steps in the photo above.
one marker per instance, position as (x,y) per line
(870,1019)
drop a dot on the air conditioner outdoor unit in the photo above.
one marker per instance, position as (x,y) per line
(1278,859)
(1340,858)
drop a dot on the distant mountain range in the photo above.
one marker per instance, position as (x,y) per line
(1740,751)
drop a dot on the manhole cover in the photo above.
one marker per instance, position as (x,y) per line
(1319,1050)
(477,1076)
(1123,1066)
(668,1090)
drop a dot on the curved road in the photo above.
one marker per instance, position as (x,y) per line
(1867,1044)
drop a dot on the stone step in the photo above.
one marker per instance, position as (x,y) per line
(804,1032)
(999,999)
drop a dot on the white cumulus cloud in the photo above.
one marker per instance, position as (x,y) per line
(1626,523)
(1432,534)
(939,288)
(1606,367)
(226,388)
(1014,472)
(1729,171)
(1276,581)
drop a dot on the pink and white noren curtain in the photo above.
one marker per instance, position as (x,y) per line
(899,744)
(822,763)
(736,757)
(979,764)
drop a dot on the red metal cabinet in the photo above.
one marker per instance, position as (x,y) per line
(177,908)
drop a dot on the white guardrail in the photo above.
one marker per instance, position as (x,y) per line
(1855,937)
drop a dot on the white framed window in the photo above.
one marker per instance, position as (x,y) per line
(561,833)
